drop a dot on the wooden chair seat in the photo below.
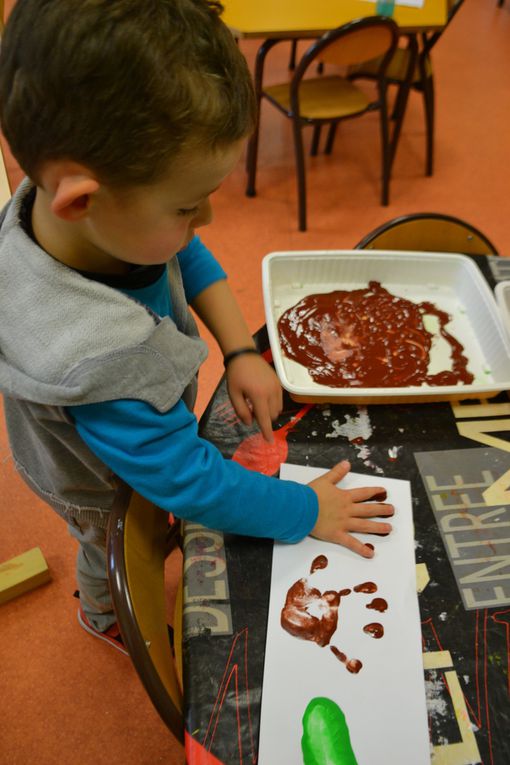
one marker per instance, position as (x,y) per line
(396,71)
(321,98)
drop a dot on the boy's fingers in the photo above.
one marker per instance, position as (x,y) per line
(243,411)
(276,404)
(370,509)
(338,472)
(263,417)
(363,526)
(356,546)
(364,493)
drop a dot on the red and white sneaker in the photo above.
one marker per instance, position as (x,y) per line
(111,636)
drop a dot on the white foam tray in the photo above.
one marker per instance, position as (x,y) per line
(502,294)
(452,282)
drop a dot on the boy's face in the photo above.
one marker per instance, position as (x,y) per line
(148,225)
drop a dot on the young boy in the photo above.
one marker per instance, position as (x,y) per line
(126,115)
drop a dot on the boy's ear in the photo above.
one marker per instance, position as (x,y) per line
(71,201)
(71,187)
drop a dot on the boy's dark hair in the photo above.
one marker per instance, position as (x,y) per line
(120,86)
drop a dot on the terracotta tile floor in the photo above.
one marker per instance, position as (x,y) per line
(66,697)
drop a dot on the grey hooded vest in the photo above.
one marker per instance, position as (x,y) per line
(67,340)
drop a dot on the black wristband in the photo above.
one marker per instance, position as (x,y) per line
(240,352)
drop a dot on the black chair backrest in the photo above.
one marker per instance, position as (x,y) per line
(432,232)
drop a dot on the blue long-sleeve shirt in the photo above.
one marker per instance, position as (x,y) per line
(163,458)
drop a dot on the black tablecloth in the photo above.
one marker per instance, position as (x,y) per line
(227,578)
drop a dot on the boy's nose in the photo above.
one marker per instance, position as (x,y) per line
(204,216)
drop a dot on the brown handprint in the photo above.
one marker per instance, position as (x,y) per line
(309,614)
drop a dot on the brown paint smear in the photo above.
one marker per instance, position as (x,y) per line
(366,587)
(319,562)
(367,338)
(378,604)
(296,619)
(375,629)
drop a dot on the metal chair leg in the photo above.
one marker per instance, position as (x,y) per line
(386,156)
(403,96)
(293,51)
(315,140)
(398,106)
(251,159)
(331,138)
(253,144)
(428,105)
(300,174)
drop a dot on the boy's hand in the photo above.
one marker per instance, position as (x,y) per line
(342,511)
(255,391)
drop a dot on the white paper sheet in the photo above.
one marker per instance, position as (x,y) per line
(384,704)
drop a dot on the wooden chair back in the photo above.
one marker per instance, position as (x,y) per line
(353,47)
(348,45)
(431,232)
(137,547)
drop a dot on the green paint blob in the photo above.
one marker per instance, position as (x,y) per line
(326,738)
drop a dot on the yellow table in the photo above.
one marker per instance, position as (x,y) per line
(278,20)
(312,18)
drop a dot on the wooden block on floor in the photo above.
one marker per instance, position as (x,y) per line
(22,573)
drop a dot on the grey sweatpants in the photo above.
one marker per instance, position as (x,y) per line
(91,574)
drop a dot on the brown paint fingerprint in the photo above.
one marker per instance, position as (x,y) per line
(352,665)
(319,562)
(378,604)
(366,587)
(374,629)
(338,653)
